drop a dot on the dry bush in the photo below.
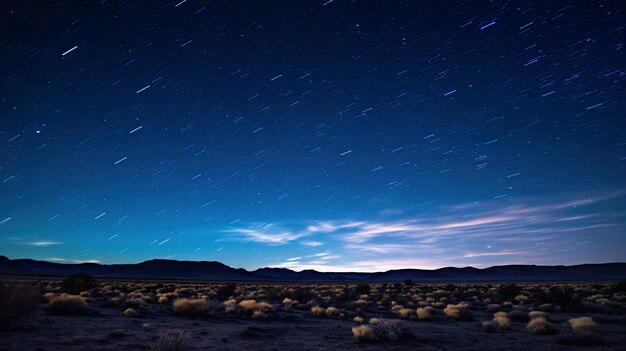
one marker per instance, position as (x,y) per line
(77,283)
(424,313)
(541,326)
(364,333)
(15,302)
(163,299)
(405,313)
(171,340)
(230,305)
(503,320)
(374,320)
(460,312)
(583,325)
(67,304)
(129,312)
(318,311)
(359,319)
(190,307)
(253,306)
(390,329)
(332,311)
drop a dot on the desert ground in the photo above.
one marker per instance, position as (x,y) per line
(81,313)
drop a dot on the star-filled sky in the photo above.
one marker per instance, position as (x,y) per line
(332,135)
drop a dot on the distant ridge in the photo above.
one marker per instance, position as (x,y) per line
(211,270)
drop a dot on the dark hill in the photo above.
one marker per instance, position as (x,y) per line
(211,270)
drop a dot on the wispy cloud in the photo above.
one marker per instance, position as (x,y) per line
(522,230)
(494,253)
(45,243)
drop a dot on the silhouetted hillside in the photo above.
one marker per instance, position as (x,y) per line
(211,270)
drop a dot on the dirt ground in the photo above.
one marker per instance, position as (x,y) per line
(109,329)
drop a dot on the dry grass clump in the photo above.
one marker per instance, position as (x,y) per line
(230,305)
(332,311)
(67,304)
(318,311)
(254,306)
(171,340)
(405,313)
(424,313)
(540,326)
(585,333)
(460,311)
(163,299)
(504,323)
(384,329)
(390,329)
(16,300)
(359,319)
(190,307)
(583,325)
(364,333)
(129,312)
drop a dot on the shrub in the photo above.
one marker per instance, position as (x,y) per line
(359,319)
(508,292)
(225,291)
(15,302)
(460,311)
(332,311)
(423,313)
(390,329)
(503,320)
(66,304)
(129,312)
(541,326)
(77,283)
(583,325)
(364,333)
(163,299)
(405,313)
(190,307)
(253,305)
(362,289)
(566,298)
(171,340)
(318,311)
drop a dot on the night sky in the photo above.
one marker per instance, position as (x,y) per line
(334,135)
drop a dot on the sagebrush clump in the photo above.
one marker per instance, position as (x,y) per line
(191,307)
(541,326)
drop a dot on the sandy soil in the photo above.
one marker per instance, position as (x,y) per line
(108,329)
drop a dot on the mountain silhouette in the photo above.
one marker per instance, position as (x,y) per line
(212,270)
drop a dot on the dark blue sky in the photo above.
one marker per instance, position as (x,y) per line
(332,135)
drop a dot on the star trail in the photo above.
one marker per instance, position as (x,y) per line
(328,135)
